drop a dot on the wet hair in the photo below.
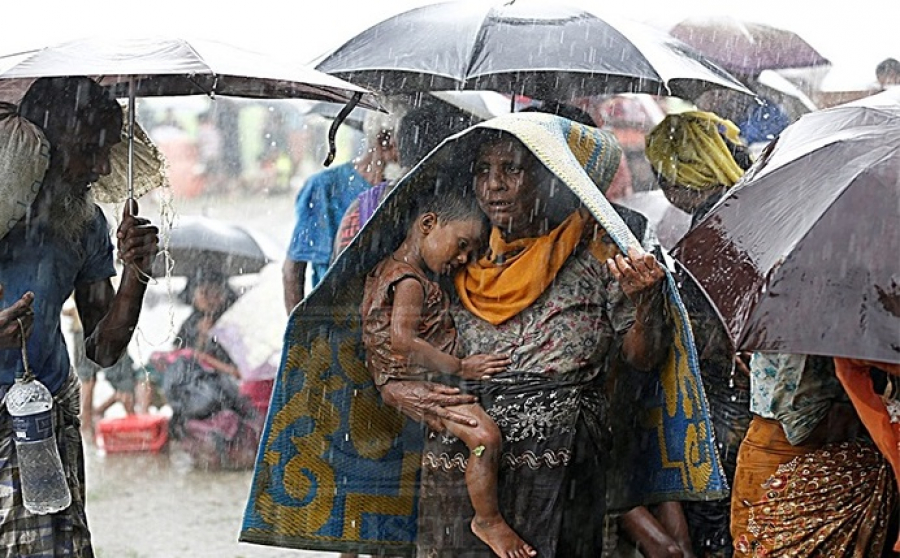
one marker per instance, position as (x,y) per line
(571,112)
(423,128)
(59,105)
(451,200)
(207,276)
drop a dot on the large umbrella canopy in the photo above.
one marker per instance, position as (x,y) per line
(196,244)
(747,48)
(163,66)
(801,255)
(538,48)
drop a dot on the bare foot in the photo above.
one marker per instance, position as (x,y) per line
(498,535)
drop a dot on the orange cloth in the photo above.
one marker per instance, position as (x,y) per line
(854,376)
(514,274)
(793,501)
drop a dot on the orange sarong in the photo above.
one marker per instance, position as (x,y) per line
(811,500)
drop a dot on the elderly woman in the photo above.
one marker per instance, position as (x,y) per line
(557,294)
(564,304)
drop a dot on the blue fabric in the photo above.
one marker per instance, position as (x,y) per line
(32,259)
(319,207)
(764,122)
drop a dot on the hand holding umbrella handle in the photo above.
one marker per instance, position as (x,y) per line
(137,241)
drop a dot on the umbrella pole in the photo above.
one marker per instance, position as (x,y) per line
(131,111)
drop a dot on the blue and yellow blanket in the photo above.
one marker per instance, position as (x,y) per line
(337,470)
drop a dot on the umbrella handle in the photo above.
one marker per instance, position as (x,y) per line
(332,131)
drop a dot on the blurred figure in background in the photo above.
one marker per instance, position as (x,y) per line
(888,73)
(321,204)
(212,422)
(420,130)
(696,157)
(209,152)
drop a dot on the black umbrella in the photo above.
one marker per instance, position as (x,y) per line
(802,255)
(197,244)
(538,48)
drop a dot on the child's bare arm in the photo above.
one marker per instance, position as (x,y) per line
(405,319)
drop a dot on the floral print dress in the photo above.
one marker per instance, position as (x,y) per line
(551,412)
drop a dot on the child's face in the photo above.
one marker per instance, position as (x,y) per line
(450,244)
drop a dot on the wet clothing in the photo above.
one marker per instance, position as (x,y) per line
(58,535)
(551,412)
(34,259)
(121,375)
(789,476)
(435,327)
(728,394)
(358,214)
(798,500)
(795,390)
(319,207)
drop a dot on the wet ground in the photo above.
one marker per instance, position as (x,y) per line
(142,505)
(145,505)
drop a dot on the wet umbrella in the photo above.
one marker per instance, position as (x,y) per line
(176,66)
(801,255)
(747,48)
(538,48)
(198,243)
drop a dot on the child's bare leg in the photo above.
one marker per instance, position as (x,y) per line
(484,443)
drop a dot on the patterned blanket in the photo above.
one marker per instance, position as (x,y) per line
(337,470)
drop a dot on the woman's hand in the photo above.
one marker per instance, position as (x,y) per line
(480,367)
(427,402)
(638,274)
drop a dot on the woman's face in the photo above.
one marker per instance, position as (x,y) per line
(209,297)
(505,185)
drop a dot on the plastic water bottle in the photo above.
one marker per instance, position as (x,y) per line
(43,481)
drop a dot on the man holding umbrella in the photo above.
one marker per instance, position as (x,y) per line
(63,245)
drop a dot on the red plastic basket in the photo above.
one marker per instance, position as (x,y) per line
(133,433)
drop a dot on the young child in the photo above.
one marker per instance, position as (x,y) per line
(408,333)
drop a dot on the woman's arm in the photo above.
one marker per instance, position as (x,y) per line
(427,402)
(640,276)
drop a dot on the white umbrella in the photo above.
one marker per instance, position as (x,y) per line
(166,66)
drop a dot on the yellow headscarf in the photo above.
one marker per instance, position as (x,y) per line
(687,149)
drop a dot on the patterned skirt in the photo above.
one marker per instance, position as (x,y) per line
(63,534)
(551,481)
(833,501)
